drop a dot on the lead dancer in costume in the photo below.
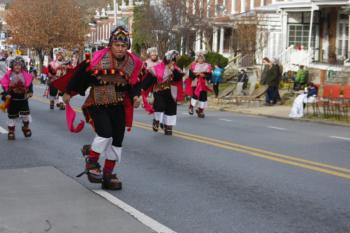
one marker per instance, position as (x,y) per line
(164,80)
(17,86)
(197,84)
(57,69)
(114,78)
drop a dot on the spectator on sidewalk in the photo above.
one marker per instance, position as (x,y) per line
(279,73)
(216,79)
(269,77)
(299,104)
(243,78)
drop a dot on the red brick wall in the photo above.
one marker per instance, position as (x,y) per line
(238,7)
(229,6)
(212,8)
(257,3)
(247,5)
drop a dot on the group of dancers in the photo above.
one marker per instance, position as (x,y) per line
(117,81)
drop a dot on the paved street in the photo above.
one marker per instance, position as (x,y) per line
(223,174)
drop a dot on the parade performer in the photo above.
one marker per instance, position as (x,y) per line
(114,77)
(57,69)
(153,58)
(17,87)
(165,81)
(197,84)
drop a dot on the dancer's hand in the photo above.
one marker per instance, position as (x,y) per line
(29,95)
(136,101)
(66,98)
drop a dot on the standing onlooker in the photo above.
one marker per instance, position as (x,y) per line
(216,78)
(279,74)
(269,78)
(243,78)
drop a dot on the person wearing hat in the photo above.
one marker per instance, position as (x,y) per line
(114,76)
(57,69)
(153,58)
(165,81)
(17,86)
(197,84)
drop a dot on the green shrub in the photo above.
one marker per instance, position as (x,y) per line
(216,59)
(184,61)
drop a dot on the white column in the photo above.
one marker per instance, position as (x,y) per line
(309,51)
(252,4)
(222,33)
(348,55)
(233,6)
(131,2)
(261,2)
(115,11)
(215,9)
(198,41)
(204,45)
(243,4)
(215,39)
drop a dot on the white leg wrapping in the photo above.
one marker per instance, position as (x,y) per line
(193,102)
(159,116)
(170,120)
(202,104)
(117,153)
(11,122)
(100,144)
(60,99)
(26,118)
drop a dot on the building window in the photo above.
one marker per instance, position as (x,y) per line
(342,39)
(298,35)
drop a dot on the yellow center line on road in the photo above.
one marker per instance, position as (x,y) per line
(288,157)
(257,154)
(277,157)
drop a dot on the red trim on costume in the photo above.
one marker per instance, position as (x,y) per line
(109,166)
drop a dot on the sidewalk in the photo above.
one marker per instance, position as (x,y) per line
(276,111)
(45,200)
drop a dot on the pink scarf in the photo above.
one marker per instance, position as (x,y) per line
(5,81)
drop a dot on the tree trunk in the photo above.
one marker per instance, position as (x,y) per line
(41,58)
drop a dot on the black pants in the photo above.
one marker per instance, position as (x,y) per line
(271,94)
(164,102)
(109,122)
(203,95)
(18,106)
(216,89)
(53,91)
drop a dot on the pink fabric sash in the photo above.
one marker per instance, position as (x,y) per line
(70,117)
(5,81)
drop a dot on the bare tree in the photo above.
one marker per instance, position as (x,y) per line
(46,24)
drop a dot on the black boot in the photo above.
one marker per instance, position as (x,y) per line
(200,112)
(168,130)
(52,104)
(62,106)
(155,125)
(11,133)
(190,110)
(111,182)
(26,130)
(92,169)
